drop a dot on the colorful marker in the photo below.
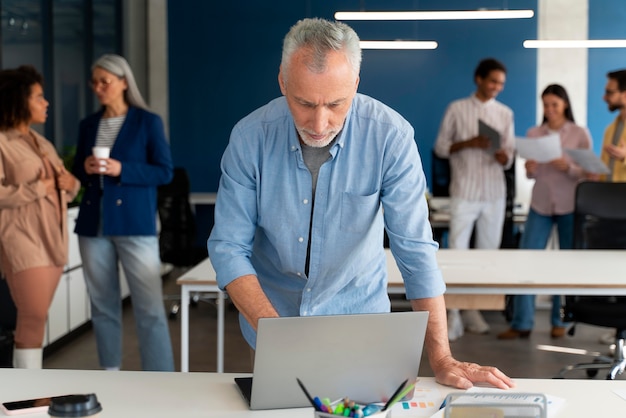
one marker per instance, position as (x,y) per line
(371,409)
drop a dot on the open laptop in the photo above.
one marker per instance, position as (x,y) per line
(364,357)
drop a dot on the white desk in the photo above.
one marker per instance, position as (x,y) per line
(202,198)
(439,212)
(520,272)
(201,278)
(169,395)
(465,272)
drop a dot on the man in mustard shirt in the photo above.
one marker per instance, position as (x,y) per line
(614,143)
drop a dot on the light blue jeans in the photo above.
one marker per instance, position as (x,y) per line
(139,257)
(535,237)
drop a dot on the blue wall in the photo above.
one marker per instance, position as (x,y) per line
(224,59)
(607,20)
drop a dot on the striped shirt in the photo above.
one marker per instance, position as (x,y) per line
(475,173)
(108,130)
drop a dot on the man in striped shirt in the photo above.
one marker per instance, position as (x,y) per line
(477,186)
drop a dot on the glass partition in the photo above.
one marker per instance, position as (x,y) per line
(60,38)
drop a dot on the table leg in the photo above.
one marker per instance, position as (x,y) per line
(184,329)
(220,332)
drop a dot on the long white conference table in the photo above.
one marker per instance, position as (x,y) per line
(169,395)
(466,272)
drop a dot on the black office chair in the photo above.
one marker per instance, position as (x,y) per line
(599,223)
(177,235)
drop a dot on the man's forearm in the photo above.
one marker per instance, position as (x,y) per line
(250,299)
(458,146)
(436,341)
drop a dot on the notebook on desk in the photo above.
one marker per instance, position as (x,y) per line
(364,357)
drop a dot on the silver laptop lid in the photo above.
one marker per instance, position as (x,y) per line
(364,357)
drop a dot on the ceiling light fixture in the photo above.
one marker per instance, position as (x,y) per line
(398,44)
(579,43)
(437,15)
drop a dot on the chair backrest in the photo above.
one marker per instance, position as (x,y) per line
(599,223)
(178,227)
(600,215)
(440,175)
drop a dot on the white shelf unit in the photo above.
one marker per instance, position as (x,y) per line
(70,306)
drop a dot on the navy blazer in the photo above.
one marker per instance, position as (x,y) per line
(129,202)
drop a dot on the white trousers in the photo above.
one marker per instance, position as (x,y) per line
(488,217)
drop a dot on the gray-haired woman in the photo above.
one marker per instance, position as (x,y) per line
(117,219)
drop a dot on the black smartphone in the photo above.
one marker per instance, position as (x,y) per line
(28,406)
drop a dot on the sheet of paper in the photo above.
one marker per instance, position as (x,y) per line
(492,134)
(588,161)
(621,393)
(427,399)
(542,149)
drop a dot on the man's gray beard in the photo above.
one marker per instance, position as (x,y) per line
(316,144)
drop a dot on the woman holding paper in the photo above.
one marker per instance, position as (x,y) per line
(552,201)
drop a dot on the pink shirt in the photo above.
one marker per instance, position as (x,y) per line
(554,190)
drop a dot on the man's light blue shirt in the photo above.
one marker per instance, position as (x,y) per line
(374,178)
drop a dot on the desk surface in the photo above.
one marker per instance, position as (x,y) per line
(466,272)
(156,394)
(534,271)
(503,271)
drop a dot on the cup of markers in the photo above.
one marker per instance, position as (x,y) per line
(348,408)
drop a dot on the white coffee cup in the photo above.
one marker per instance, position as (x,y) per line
(101,153)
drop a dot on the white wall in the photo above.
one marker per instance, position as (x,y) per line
(145,47)
(563,19)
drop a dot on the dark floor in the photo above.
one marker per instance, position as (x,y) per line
(517,358)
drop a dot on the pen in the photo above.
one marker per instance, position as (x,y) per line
(394,395)
(308,395)
(401,395)
(443,404)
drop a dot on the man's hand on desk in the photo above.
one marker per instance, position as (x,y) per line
(462,375)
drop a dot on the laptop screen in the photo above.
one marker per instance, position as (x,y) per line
(364,357)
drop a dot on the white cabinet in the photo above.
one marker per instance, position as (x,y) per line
(70,305)
(78,301)
(57,314)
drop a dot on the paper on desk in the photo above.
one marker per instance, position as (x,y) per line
(492,134)
(621,393)
(588,161)
(427,398)
(542,149)
(554,402)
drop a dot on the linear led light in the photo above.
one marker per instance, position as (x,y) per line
(581,43)
(437,15)
(398,44)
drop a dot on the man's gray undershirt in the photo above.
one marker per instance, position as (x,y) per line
(313,158)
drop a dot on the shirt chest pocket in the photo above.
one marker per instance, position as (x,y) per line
(358,211)
(22,170)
